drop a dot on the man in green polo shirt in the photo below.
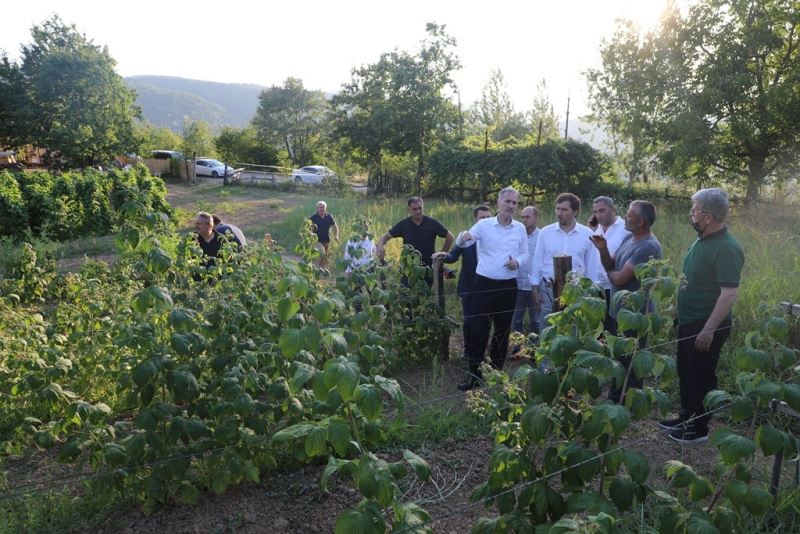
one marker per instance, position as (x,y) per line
(712,267)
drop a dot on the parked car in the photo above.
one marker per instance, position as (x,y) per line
(166,154)
(8,161)
(313,174)
(212,167)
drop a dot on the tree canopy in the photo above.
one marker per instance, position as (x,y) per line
(714,94)
(292,116)
(397,104)
(65,96)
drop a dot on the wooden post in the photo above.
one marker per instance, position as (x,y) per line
(438,292)
(562,264)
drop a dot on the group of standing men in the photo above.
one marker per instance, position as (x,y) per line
(507,272)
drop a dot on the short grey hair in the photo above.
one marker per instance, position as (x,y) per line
(205,216)
(322,203)
(608,201)
(505,190)
(713,200)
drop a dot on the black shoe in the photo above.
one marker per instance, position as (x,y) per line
(672,424)
(467,385)
(689,434)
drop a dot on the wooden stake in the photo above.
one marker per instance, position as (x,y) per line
(562,264)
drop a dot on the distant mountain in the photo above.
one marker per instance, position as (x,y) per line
(166,101)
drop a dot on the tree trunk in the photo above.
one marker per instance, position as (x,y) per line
(754,181)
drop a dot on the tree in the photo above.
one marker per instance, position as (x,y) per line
(197,139)
(735,114)
(494,114)
(244,145)
(543,118)
(67,99)
(397,105)
(624,95)
(151,137)
(713,95)
(292,116)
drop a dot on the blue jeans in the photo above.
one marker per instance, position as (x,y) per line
(525,305)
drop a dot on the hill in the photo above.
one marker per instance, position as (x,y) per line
(166,101)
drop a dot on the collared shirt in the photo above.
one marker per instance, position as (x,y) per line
(496,243)
(421,236)
(711,263)
(553,241)
(524,272)
(614,235)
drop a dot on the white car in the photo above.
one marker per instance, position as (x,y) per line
(313,174)
(211,167)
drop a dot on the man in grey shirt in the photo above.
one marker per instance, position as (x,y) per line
(639,247)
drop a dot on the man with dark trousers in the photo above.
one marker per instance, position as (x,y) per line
(713,269)
(469,262)
(502,246)
(638,246)
(417,230)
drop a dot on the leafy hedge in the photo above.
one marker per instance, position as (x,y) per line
(74,204)
(551,168)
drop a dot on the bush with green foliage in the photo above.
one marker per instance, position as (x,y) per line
(74,204)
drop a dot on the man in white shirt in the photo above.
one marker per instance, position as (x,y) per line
(502,250)
(530,216)
(564,237)
(606,223)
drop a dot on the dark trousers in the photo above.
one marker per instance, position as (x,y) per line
(466,313)
(615,390)
(697,370)
(609,323)
(492,309)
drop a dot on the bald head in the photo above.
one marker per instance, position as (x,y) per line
(530,216)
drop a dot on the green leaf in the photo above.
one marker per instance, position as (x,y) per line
(302,375)
(534,422)
(791,395)
(323,310)
(600,366)
(316,443)
(736,491)
(700,489)
(355,522)
(144,372)
(715,398)
(643,363)
(628,320)
(420,466)
(343,375)
(758,500)
(291,342)
(593,307)
(392,387)
(748,359)
(287,308)
(292,433)
(769,439)
(188,493)
(700,523)
(617,415)
(777,328)
(339,435)
(637,465)
(682,475)
(741,409)
(368,400)
(733,447)
(563,347)
(622,492)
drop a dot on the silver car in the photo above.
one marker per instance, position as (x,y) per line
(313,174)
(212,167)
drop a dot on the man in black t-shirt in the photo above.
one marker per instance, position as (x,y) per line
(209,239)
(419,231)
(323,222)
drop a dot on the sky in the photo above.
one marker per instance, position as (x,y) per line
(321,42)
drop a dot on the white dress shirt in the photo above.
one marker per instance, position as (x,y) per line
(351,256)
(614,235)
(496,243)
(553,241)
(524,272)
